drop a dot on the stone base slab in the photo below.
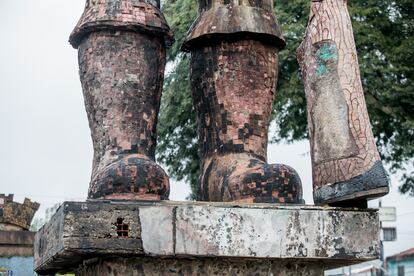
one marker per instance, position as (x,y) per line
(149,266)
(198,237)
(16,243)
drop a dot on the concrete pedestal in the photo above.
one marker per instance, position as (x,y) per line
(16,251)
(203,238)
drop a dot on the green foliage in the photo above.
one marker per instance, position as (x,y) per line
(177,130)
(38,222)
(180,15)
(384,31)
(289,107)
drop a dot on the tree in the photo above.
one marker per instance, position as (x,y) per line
(383,32)
(38,222)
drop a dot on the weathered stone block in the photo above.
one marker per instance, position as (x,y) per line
(144,266)
(286,232)
(14,215)
(16,243)
(157,228)
(201,236)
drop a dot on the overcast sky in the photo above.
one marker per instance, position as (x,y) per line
(45,144)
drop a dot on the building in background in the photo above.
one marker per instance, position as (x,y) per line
(371,268)
(401,264)
(16,241)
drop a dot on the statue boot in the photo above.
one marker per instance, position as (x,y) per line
(233,78)
(347,169)
(121,64)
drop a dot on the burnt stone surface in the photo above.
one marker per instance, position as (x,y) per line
(14,215)
(198,236)
(345,161)
(121,70)
(233,79)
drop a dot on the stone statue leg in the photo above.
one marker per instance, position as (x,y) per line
(347,168)
(233,81)
(121,71)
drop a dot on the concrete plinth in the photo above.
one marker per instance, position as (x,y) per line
(203,238)
(16,243)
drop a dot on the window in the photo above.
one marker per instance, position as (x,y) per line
(122,228)
(401,271)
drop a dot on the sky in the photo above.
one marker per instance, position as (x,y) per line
(45,144)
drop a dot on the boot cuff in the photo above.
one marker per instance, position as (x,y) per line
(235,21)
(130,15)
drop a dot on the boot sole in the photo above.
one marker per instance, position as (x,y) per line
(369,185)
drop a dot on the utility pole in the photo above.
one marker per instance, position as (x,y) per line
(381,245)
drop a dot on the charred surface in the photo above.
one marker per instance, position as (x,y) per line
(373,183)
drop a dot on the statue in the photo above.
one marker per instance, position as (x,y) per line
(121,65)
(234,55)
(347,168)
(234,49)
